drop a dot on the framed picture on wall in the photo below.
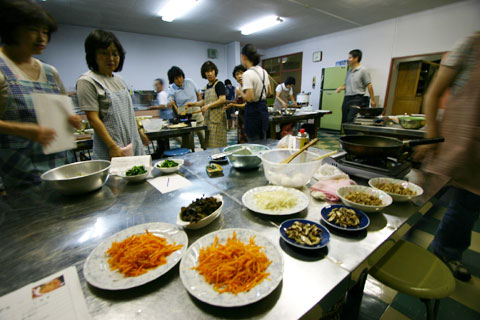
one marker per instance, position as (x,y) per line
(317,56)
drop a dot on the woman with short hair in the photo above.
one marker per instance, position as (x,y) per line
(212,105)
(105,98)
(256,88)
(239,104)
(25,30)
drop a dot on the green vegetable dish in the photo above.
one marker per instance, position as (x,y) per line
(135,171)
(168,164)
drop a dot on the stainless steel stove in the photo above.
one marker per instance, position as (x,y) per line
(368,168)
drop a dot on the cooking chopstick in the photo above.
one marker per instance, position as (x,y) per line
(305,147)
(326,155)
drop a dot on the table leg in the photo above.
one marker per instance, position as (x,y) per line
(353,301)
(316,125)
(272,130)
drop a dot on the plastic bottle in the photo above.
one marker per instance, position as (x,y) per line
(302,139)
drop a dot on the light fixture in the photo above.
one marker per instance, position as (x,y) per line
(260,25)
(176,8)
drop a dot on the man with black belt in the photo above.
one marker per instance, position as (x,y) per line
(356,81)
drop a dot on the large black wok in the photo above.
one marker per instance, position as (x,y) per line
(370,112)
(378,146)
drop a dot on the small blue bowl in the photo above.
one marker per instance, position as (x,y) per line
(325,234)
(364,220)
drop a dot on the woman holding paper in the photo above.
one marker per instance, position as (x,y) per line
(106,101)
(25,30)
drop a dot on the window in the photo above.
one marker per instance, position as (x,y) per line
(282,67)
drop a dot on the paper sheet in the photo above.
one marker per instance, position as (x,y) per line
(58,296)
(52,111)
(169,182)
(122,164)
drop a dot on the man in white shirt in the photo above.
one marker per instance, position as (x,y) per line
(166,112)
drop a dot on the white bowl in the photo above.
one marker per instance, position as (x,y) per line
(395,196)
(383,196)
(169,170)
(203,222)
(295,174)
(138,177)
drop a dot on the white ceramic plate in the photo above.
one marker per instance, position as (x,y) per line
(395,196)
(249,201)
(138,177)
(200,289)
(97,270)
(385,198)
(205,221)
(169,170)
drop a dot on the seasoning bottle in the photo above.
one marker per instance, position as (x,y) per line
(302,139)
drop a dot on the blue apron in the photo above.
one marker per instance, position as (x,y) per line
(22,161)
(256,117)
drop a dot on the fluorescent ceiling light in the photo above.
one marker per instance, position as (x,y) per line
(260,25)
(176,8)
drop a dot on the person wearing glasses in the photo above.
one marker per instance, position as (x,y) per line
(105,98)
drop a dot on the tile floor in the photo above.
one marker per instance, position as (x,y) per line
(382,302)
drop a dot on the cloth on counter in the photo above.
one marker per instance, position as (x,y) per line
(330,187)
(329,172)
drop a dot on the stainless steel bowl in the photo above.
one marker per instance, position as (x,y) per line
(78,177)
(412,122)
(290,111)
(246,158)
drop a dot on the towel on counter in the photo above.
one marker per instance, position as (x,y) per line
(329,172)
(329,187)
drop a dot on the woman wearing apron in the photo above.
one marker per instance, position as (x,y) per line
(25,30)
(240,104)
(105,99)
(284,94)
(212,105)
(256,88)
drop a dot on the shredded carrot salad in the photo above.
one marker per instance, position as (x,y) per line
(234,267)
(139,253)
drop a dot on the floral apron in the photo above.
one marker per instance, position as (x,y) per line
(216,120)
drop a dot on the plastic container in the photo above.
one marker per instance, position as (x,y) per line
(295,174)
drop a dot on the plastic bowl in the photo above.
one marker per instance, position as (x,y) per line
(395,196)
(169,170)
(412,122)
(383,196)
(243,160)
(295,174)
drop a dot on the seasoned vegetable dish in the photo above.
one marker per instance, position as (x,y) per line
(199,209)
(395,188)
(344,217)
(135,171)
(304,233)
(363,198)
(168,164)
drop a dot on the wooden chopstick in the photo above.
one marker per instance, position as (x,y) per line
(305,147)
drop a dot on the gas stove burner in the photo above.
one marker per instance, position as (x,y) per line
(370,167)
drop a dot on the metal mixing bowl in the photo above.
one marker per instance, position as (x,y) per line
(78,177)
(243,160)
(412,122)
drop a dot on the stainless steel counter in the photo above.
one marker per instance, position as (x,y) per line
(390,130)
(44,232)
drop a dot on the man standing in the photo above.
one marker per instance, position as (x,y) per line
(356,81)
(166,112)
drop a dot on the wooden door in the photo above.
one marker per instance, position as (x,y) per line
(406,98)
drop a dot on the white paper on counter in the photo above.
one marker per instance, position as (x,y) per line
(52,111)
(152,125)
(169,182)
(122,164)
(65,300)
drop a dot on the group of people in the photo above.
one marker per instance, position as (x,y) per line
(26,29)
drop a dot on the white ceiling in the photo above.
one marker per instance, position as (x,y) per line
(220,20)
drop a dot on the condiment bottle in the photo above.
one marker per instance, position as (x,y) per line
(302,139)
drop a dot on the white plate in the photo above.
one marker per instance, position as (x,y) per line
(97,270)
(138,177)
(203,222)
(200,289)
(395,196)
(249,201)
